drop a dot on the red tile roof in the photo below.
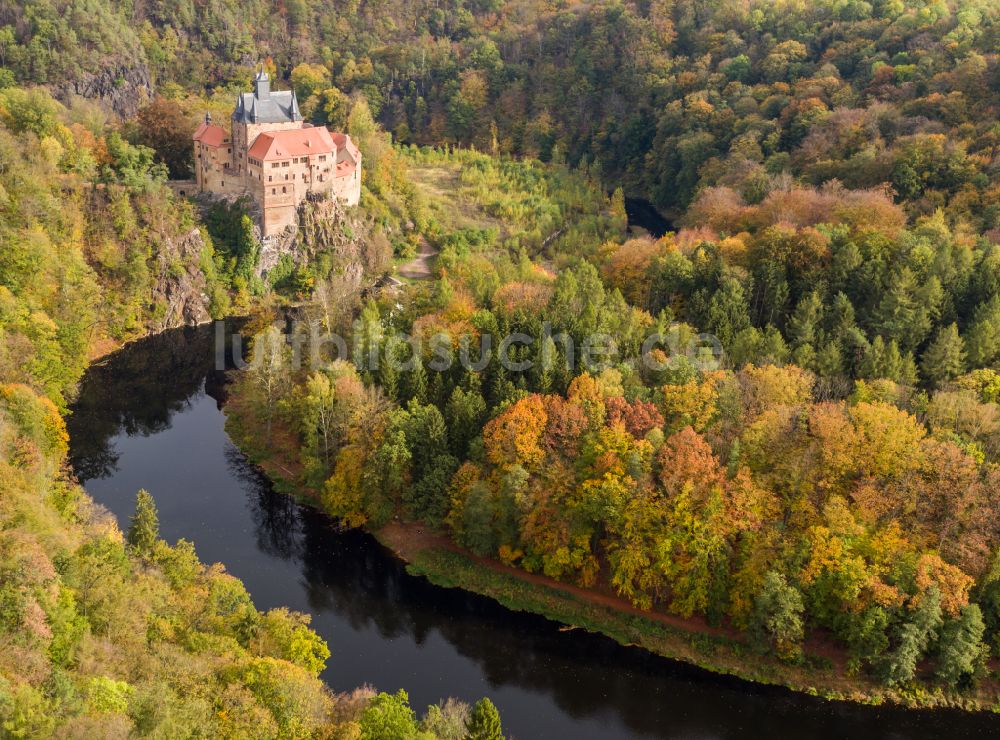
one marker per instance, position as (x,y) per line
(210,134)
(295,143)
(344,169)
(343,141)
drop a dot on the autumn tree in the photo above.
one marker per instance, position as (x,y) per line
(164,127)
(268,372)
(388,715)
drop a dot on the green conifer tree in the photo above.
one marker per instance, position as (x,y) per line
(144,528)
(944,359)
(484,722)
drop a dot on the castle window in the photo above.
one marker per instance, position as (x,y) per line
(285,163)
(274,164)
(322,157)
(284,189)
(274,191)
(269,178)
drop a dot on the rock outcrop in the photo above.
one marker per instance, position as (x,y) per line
(327,226)
(330,227)
(181,286)
(123,87)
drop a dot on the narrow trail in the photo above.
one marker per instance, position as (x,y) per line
(419,268)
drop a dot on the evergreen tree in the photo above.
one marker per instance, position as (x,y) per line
(914,637)
(829,360)
(427,499)
(247,250)
(465,413)
(368,336)
(841,316)
(728,313)
(908,374)
(961,652)
(484,722)
(944,359)
(874,362)
(416,382)
(867,639)
(776,622)
(618,204)
(805,320)
(387,474)
(388,374)
(144,527)
(893,362)
(983,337)
(773,349)
(426,435)
(477,528)
(906,308)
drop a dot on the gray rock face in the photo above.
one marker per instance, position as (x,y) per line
(124,88)
(183,291)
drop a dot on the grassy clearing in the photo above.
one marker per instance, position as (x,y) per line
(451,203)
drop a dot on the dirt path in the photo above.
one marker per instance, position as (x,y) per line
(420,267)
(409,539)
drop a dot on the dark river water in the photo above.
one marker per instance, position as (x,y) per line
(149,417)
(643,214)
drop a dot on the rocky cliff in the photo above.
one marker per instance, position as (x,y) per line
(329,227)
(121,86)
(180,284)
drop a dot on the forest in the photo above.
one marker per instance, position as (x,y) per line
(109,631)
(791,499)
(830,169)
(666,97)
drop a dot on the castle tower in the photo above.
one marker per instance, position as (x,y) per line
(262,85)
(259,111)
(275,157)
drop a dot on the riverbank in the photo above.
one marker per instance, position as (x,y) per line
(823,671)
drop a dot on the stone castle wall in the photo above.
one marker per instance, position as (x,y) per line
(277,188)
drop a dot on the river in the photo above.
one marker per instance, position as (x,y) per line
(149,416)
(643,214)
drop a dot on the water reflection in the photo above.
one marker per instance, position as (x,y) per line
(149,417)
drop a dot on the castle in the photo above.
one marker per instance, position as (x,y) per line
(275,157)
